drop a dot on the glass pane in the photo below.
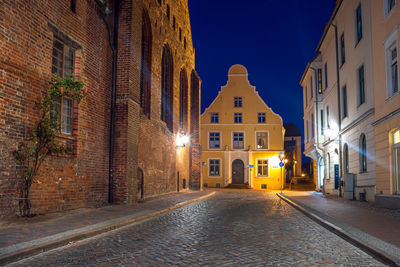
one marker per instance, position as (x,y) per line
(397,168)
(396,137)
(67,116)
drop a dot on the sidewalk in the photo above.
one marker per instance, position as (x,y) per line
(26,237)
(376,230)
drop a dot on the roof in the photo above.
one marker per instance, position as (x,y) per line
(291,130)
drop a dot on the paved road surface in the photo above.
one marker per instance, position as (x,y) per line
(233,228)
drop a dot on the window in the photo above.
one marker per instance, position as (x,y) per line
(262,140)
(214,140)
(183,100)
(184,42)
(319,71)
(167,87)
(392,69)
(168,12)
(238,140)
(145,70)
(262,167)
(326,75)
(311,87)
(346,158)
(238,118)
(214,167)
(322,122)
(344,102)
(363,153)
(388,6)
(312,126)
(73,6)
(361,86)
(214,117)
(342,50)
(396,160)
(173,22)
(62,66)
(261,117)
(358,24)
(180,34)
(237,102)
(327,117)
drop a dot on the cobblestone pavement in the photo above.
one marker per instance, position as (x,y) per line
(233,228)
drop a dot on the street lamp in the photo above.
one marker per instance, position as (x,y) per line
(182,140)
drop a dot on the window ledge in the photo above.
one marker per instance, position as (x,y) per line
(392,96)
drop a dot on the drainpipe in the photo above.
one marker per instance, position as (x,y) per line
(113,41)
(339,110)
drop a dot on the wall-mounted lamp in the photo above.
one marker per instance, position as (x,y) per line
(182,140)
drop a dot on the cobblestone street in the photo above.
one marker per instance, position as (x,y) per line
(233,228)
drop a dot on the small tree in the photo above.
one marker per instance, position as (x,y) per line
(42,141)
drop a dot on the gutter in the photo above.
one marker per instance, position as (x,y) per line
(113,41)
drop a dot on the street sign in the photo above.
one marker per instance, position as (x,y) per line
(250,166)
(336,167)
(281,164)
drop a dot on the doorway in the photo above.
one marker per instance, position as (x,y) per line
(237,172)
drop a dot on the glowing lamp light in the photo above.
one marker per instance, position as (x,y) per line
(182,140)
(286,161)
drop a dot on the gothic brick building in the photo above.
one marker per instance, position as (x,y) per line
(137,61)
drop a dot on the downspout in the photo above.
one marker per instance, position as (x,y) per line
(339,109)
(113,41)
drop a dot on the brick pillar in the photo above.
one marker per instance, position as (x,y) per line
(195,150)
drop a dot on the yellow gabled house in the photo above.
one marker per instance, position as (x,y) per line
(241,137)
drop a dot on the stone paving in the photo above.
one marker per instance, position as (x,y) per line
(233,228)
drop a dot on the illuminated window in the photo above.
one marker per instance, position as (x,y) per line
(262,140)
(62,66)
(214,167)
(214,117)
(396,160)
(262,167)
(261,117)
(214,140)
(319,81)
(238,102)
(238,118)
(238,140)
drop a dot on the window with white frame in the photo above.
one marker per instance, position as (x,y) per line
(262,140)
(392,69)
(237,102)
(238,140)
(62,66)
(214,117)
(358,17)
(262,167)
(214,167)
(214,140)
(389,5)
(238,118)
(261,117)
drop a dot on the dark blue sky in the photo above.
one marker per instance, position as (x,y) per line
(273,39)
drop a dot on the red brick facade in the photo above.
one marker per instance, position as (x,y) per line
(142,144)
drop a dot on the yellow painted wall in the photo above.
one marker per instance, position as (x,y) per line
(252,104)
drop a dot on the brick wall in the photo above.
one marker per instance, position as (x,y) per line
(27,29)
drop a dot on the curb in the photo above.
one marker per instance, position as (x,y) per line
(30,248)
(330,224)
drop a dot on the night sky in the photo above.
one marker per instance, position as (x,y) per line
(273,39)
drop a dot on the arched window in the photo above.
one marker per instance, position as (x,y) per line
(363,153)
(183,101)
(167,87)
(168,12)
(346,157)
(145,71)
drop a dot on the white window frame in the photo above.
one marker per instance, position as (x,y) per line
(220,140)
(255,139)
(212,116)
(261,115)
(386,10)
(220,168)
(390,43)
(244,140)
(256,170)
